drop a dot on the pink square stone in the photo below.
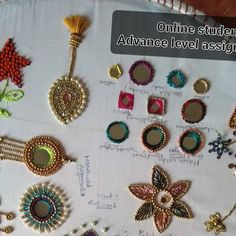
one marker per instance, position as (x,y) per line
(156,106)
(126,100)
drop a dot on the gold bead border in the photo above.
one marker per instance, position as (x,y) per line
(206,84)
(165,133)
(52,143)
(80,106)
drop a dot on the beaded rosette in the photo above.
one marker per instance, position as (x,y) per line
(43,208)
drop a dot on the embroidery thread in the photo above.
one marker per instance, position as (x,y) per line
(161,199)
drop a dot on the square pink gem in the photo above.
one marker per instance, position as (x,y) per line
(156,106)
(126,100)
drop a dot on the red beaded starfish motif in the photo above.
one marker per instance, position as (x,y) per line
(11,63)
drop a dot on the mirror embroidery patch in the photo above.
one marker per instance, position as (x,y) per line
(141,72)
(43,207)
(42,155)
(126,100)
(191,141)
(176,79)
(154,137)
(161,199)
(156,105)
(117,132)
(193,111)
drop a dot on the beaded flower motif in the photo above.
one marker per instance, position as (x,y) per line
(215,224)
(220,146)
(11,64)
(161,199)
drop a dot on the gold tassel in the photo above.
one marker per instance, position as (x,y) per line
(76,24)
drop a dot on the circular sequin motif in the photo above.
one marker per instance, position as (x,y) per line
(201,86)
(191,141)
(44,155)
(117,132)
(141,72)
(154,137)
(43,208)
(193,111)
(176,79)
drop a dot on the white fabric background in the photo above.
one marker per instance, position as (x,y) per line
(37,29)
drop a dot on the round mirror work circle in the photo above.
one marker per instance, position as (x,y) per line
(176,79)
(43,207)
(191,141)
(44,155)
(141,72)
(194,110)
(201,86)
(117,132)
(154,137)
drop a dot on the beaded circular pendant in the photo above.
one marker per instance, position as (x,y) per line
(141,72)
(155,137)
(67,99)
(194,110)
(176,79)
(117,132)
(42,155)
(191,141)
(43,208)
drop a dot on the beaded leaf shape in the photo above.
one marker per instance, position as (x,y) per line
(161,199)
(67,99)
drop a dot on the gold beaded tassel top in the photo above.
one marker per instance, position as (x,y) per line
(67,96)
